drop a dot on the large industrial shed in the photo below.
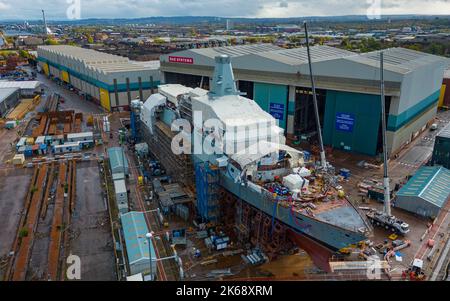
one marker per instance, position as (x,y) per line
(426,193)
(9,97)
(138,248)
(27,88)
(118,161)
(348,89)
(113,81)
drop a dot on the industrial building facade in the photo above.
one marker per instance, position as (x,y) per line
(9,97)
(113,81)
(426,193)
(348,89)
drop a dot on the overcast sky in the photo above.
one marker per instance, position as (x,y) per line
(57,9)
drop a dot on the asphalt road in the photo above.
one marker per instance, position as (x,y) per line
(72,100)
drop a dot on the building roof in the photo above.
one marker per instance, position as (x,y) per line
(430,183)
(119,186)
(299,56)
(134,231)
(445,132)
(236,51)
(447,73)
(7,92)
(117,159)
(400,60)
(100,61)
(328,61)
(23,85)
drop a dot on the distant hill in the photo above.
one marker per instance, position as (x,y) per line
(183,20)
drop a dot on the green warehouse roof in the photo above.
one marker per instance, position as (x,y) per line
(117,159)
(430,183)
(134,231)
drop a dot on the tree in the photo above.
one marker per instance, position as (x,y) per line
(90,39)
(51,42)
(24,54)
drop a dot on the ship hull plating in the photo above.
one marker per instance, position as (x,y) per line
(330,236)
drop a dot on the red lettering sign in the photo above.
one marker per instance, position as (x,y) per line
(181,60)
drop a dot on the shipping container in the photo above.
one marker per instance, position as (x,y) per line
(21,143)
(40,140)
(30,141)
(18,159)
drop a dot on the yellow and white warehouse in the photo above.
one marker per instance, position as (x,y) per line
(110,80)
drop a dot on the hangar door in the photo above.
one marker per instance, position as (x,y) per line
(352,121)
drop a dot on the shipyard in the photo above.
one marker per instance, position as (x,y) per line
(223,161)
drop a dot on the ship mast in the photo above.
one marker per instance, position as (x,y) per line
(323,159)
(387,191)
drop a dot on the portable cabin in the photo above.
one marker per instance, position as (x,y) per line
(40,140)
(28,151)
(66,148)
(85,136)
(121,196)
(18,159)
(21,143)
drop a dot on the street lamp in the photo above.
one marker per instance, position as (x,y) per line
(149,237)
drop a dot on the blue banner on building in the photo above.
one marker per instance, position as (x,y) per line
(345,122)
(277,110)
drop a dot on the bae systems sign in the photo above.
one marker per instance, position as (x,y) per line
(181,60)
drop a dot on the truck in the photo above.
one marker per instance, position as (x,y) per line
(378,218)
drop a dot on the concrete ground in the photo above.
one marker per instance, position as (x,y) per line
(416,154)
(90,229)
(14,186)
(72,100)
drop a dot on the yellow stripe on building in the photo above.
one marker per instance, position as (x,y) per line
(65,76)
(104,99)
(441,97)
(46,69)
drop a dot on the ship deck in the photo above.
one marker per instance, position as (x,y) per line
(332,210)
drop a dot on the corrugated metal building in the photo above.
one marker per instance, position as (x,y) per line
(441,151)
(9,97)
(27,88)
(348,89)
(426,192)
(113,81)
(117,160)
(138,251)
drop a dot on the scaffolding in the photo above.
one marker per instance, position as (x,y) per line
(135,120)
(207,185)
